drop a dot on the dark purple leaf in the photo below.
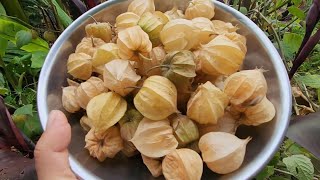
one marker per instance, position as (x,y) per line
(81,7)
(14,166)
(305,130)
(12,135)
(306,50)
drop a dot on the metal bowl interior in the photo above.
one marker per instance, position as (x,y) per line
(261,54)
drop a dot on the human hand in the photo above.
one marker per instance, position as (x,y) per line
(51,152)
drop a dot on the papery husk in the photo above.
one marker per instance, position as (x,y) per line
(129,150)
(152,24)
(126,20)
(72,83)
(179,67)
(246,88)
(105,110)
(240,40)
(185,130)
(86,123)
(182,164)
(221,27)
(200,8)
(179,34)
(89,45)
(140,7)
(206,29)
(100,30)
(174,13)
(119,75)
(207,104)
(105,54)
(132,41)
(223,152)
(227,123)
(262,112)
(104,145)
(221,56)
(154,138)
(156,57)
(79,66)
(69,99)
(153,164)
(157,98)
(88,90)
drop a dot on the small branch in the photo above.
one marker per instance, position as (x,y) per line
(239,5)
(277,8)
(284,172)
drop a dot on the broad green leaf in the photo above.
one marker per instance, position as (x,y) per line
(8,30)
(312,81)
(24,110)
(38,59)
(300,166)
(297,12)
(22,38)
(296,2)
(275,160)
(3,46)
(63,17)
(32,126)
(291,43)
(3,91)
(2,10)
(265,173)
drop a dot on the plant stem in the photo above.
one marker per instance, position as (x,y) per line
(291,22)
(284,172)
(239,5)
(279,7)
(253,4)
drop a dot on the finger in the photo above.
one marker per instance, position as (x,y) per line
(51,152)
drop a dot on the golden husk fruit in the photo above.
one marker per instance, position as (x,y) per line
(221,27)
(185,130)
(222,152)
(206,29)
(157,98)
(104,145)
(140,7)
(261,113)
(86,123)
(152,24)
(119,75)
(79,66)
(153,164)
(105,54)
(200,8)
(154,138)
(174,13)
(105,110)
(89,45)
(100,30)
(182,164)
(221,56)
(156,57)
(72,83)
(132,41)
(246,88)
(207,104)
(88,90)
(69,99)
(240,40)
(126,20)
(227,123)
(179,34)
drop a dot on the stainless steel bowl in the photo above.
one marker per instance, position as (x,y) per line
(261,54)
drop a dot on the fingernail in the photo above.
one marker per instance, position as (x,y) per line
(55,119)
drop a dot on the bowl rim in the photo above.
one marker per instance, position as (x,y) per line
(281,74)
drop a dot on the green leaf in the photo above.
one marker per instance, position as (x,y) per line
(265,173)
(32,126)
(296,2)
(276,158)
(278,178)
(38,59)
(300,166)
(24,110)
(2,10)
(312,81)
(291,43)
(3,46)
(297,12)
(22,38)
(63,17)
(3,91)
(318,94)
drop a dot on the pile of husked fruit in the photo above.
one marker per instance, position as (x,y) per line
(168,86)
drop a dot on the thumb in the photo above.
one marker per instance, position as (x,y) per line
(51,152)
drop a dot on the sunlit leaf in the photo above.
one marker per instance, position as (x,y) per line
(300,166)
(312,81)
(24,110)
(297,12)
(22,38)
(38,59)
(63,16)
